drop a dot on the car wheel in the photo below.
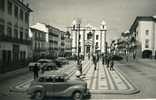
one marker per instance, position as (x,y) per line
(38,95)
(77,96)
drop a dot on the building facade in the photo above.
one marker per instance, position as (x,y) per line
(14,34)
(39,41)
(90,41)
(48,40)
(68,44)
(144,30)
(55,41)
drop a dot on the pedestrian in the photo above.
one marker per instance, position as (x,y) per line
(88,56)
(80,66)
(111,65)
(95,61)
(134,56)
(103,59)
(97,58)
(36,70)
(108,61)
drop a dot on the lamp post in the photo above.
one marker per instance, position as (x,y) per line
(104,28)
(76,27)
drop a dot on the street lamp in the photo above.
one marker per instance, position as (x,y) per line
(76,27)
(104,28)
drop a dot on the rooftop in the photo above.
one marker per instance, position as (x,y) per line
(141,18)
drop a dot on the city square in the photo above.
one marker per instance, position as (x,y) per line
(77,50)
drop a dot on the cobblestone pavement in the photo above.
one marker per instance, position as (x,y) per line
(99,81)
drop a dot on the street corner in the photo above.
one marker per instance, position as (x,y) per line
(104,81)
(21,87)
(131,86)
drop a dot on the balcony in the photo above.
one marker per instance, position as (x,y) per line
(14,40)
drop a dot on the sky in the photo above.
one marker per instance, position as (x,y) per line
(118,14)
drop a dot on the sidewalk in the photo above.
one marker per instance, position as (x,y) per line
(17,72)
(100,81)
(14,73)
(104,81)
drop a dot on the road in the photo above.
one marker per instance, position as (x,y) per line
(103,84)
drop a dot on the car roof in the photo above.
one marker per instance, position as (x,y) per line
(33,63)
(44,60)
(54,74)
(50,64)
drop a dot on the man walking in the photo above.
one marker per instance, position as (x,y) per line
(103,59)
(111,65)
(95,61)
(36,70)
(108,61)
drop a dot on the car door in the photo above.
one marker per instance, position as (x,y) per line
(60,86)
(49,87)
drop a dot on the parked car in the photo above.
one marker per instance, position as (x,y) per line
(32,64)
(72,57)
(49,66)
(43,62)
(56,85)
(62,60)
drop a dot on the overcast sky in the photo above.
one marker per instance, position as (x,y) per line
(118,14)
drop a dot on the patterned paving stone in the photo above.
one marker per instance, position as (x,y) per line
(99,81)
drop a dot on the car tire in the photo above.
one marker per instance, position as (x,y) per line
(38,95)
(77,95)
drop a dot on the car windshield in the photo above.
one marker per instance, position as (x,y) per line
(50,64)
(45,79)
(59,79)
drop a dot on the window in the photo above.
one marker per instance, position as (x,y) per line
(15,52)
(21,33)
(22,55)
(21,14)
(96,43)
(79,49)
(147,32)
(9,8)
(2,5)
(9,29)
(147,43)
(146,46)
(59,79)
(6,57)
(97,37)
(26,34)
(79,43)
(2,27)
(26,17)
(79,36)
(16,11)
(89,35)
(16,33)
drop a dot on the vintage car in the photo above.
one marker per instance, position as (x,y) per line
(62,60)
(43,62)
(49,66)
(57,84)
(32,64)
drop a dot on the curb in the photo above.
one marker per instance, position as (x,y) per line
(14,73)
(135,89)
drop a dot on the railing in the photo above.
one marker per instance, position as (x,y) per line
(15,40)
